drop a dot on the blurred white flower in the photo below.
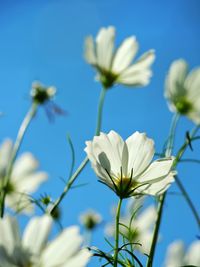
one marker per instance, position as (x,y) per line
(41,93)
(33,250)
(182,90)
(177,256)
(125,166)
(136,226)
(24,180)
(114,67)
(90,219)
(44,95)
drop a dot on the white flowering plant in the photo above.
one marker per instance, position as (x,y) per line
(130,167)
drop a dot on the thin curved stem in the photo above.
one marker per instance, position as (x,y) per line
(162,198)
(156,230)
(168,152)
(188,200)
(186,144)
(85,161)
(100,111)
(72,155)
(69,184)
(171,138)
(117,232)
(20,136)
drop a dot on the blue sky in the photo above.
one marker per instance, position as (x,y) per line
(43,40)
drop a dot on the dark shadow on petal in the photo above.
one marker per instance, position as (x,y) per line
(104,161)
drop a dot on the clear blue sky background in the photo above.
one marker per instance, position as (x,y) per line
(43,40)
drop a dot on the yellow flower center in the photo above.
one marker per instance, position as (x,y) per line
(125,183)
(125,186)
(107,78)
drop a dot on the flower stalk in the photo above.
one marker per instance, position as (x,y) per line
(20,136)
(117,232)
(100,110)
(156,230)
(188,200)
(168,152)
(162,198)
(85,161)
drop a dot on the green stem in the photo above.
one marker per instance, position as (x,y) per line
(20,136)
(69,184)
(117,232)
(172,131)
(85,161)
(100,110)
(156,230)
(168,152)
(188,200)
(162,198)
(185,145)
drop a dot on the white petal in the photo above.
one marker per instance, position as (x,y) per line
(174,84)
(193,254)
(141,151)
(175,254)
(146,219)
(107,151)
(89,54)
(5,153)
(36,234)
(157,171)
(30,183)
(9,233)
(125,54)
(19,202)
(194,114)
(110,229)
(89,151)
(124,164)
(104,177)
(136,79)
(98,169)
(65,246)
(157,188)
(145,239)
(192,83)
(107,155)
(104,47)
(25,177)
(139,73)
(24,165)
(134,204)
(79,260)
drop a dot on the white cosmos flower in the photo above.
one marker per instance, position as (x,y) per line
(114,67)
(125,166)
(178,256)
(182,90)
(90,219)
(136,226)
(41,93)
(33,250)
(24,180)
